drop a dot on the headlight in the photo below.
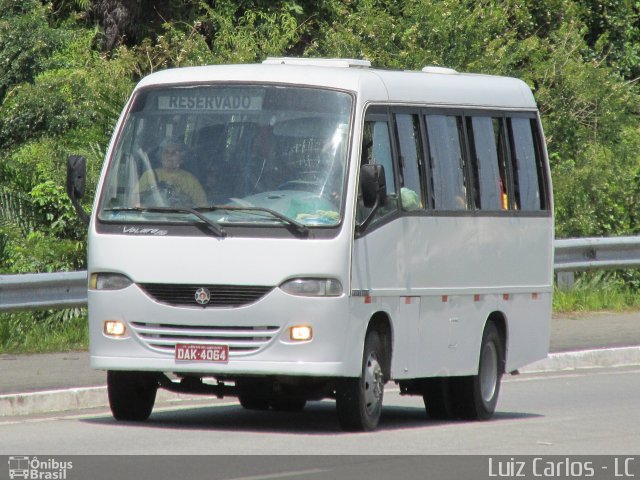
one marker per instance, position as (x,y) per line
(313,287)
(108,281)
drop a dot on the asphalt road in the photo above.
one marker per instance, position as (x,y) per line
(584,412)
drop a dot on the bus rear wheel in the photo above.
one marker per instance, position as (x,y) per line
(359,400)
(437,398)
(131,394)
(476,396)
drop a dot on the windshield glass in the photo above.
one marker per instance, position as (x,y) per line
(276,148)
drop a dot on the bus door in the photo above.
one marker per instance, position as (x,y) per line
(381,263)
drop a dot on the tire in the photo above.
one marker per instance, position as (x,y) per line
(253,394)
(359,400)
(131,394)
(288,404)
(437,398)
(476,397)
(252,402)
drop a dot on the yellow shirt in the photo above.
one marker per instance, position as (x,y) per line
(185,184)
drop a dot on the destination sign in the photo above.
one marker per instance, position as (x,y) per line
(210,102)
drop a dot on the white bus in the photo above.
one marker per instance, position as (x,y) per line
(305,229)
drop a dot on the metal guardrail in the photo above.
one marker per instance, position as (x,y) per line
(35,291)
(611,253)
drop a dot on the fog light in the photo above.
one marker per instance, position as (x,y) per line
(301,333)
(114,328)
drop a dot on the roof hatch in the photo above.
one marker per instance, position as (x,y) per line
(441,70)
(318,62)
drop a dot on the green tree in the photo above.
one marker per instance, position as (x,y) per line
(26,42)
(70,108)
(614,33)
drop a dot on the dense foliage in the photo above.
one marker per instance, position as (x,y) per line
(67,67)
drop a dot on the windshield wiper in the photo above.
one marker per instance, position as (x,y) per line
(289,221)
(213,226)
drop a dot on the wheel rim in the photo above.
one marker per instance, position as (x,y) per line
(373,383)
(489,372)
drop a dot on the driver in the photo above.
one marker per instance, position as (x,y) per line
(179,187)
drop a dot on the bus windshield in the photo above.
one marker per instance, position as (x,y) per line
(251,148)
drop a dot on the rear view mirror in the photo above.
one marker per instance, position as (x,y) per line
(76,183)
(76,176)
(373,185)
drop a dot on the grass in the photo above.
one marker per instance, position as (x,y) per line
(44,332)
(586,300)
(597,292)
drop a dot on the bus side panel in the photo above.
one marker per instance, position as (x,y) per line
(478,255)
(446,333)
(529,325)
(363,309)
(463,268)
(380,270)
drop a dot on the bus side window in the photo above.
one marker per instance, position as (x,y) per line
(408,130)
(526,165)
(486,156)
(506,187)
(447,162)
(382,152)
(376,148)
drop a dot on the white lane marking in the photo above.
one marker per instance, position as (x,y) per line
(530,377)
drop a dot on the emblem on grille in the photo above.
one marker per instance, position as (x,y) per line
(203,296)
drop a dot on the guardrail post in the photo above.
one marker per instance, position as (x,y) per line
(565,281)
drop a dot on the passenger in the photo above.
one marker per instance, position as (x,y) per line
(262,171)
(178,187)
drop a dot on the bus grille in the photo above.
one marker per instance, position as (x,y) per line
(241,340)
(220,295)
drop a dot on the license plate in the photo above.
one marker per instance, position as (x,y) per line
(187,352)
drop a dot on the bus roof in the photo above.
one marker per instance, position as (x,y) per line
(432,85)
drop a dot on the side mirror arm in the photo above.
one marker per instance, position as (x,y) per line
(362,226)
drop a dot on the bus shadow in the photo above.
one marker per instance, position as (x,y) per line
(318,418)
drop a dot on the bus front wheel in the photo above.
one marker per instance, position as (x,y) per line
(131,394)
(359,400)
